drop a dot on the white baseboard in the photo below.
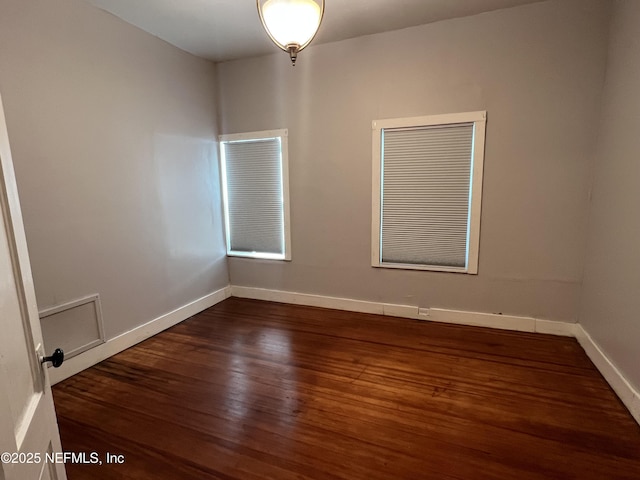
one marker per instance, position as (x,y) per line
(477,319)
(635,408)
(128,339)
(625,391)
(552,327)
(458,317)
(307,299)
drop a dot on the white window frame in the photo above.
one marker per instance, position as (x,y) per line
(479,120)
(282,135)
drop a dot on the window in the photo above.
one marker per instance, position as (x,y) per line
(255,182)
(427,188)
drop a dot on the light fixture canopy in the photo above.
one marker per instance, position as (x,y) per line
(291,24)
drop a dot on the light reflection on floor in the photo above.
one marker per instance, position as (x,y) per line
(244,406)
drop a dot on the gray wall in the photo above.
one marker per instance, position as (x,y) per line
(610,302)
(538,70)
(112,133)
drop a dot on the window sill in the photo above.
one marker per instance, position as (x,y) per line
(260,256)
(429,268)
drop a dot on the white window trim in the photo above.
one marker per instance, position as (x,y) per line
(475,192)
(283,135)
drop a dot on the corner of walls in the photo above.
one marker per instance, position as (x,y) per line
(115,162)
(608,327)
(134,336)
(532,234)
(620,385)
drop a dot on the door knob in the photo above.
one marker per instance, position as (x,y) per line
(56,359)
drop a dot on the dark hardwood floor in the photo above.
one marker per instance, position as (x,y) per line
(256,390)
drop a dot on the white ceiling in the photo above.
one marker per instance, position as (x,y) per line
(229,29)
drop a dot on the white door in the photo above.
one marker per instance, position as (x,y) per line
(28,426)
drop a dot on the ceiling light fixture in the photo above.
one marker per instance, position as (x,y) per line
(291,24)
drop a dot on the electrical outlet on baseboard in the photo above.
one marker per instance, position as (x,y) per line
(424,312)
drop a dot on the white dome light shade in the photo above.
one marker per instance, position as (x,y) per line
(291,24)
(291,21)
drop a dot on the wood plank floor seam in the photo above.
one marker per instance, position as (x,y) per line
(251,389)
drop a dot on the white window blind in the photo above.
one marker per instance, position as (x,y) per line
(425,195)
(428,199)
(255,193)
